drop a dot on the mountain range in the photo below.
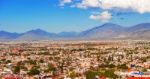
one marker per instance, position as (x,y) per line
(105,31)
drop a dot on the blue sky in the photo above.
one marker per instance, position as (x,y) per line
(23,15)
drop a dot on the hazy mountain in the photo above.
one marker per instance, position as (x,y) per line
(68,34)
(139,27)
(108,30)
(140,31)
(7,35)
(36,34)
(114,31)
(105,31)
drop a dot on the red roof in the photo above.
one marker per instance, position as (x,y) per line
(102,78)
(11,76)
(138,78)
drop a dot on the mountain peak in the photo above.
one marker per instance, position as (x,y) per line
(106,26)
(110,25)
(37,30)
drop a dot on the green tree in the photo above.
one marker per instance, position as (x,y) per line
(33,71)
(51,67)
(16,69)
(123,66)
(111,66)
(32,62)
(91,74)
(73,74)
(110,74)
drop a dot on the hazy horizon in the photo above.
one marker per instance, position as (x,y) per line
(68,30)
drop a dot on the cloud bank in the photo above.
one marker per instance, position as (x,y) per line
(139,6)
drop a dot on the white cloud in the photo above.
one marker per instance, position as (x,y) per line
(88,3)
(104,16)
(63,2)
(140,6)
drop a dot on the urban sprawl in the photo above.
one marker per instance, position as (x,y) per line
(75,60)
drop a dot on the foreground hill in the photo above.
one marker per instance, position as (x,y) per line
(105,31)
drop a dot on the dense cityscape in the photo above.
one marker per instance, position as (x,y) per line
(75,60)
(74,39)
